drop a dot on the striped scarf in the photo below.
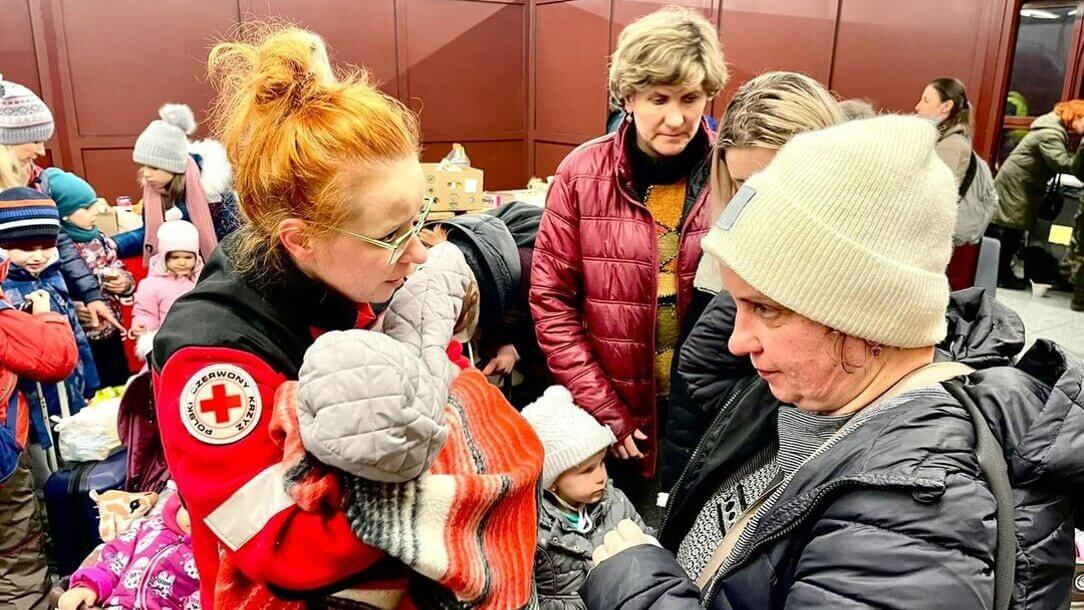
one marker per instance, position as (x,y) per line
(467,527)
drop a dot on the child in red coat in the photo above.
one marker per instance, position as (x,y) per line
(35,346)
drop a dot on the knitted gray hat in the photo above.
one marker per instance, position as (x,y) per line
(164,143)
(569,434)
(24,118)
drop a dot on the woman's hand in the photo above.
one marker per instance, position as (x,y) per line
(503,362)
(627,534)
(39,301)
(627,448)
(77,597)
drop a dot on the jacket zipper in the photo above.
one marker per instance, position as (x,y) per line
(732,565)
(141,591)
(738,392)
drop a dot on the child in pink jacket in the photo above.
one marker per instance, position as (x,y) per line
(149,566)
(173,272)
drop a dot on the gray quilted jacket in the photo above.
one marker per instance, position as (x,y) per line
(563,555)
(372,404)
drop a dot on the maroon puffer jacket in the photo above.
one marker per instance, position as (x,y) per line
(595,282)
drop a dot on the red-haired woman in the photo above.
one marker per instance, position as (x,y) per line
(332,192)
(1022,180)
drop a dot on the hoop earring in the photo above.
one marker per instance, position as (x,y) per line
(628,117)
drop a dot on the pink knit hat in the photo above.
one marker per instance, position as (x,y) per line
(178,236)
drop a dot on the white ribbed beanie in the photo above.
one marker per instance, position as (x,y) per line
(850,226)
(569,434)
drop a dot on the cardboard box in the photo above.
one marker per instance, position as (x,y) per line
(107,219)
(127,219)
(455,189)
(112,219)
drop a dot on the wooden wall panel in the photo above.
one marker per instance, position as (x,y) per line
(549,156)
(18,62)
(465,68)
(763,35)
(572,40)
(358,32)
(888,51)
(111,172)
(128,57)
(511,79)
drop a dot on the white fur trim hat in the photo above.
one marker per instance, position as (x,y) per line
(569,434)
(850,226)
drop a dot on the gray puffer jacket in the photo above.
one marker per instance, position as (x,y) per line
(896,514)
(372,404)
(563,555)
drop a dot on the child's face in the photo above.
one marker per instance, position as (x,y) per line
(157,178)
(180,263)
(35,261)
(584,483)
(84,218)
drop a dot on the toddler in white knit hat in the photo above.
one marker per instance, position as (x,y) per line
(579,502)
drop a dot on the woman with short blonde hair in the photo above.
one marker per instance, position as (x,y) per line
(619,241)
(671,46)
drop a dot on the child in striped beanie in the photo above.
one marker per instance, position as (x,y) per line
(29,224)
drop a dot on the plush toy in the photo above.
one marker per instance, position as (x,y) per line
(118,509)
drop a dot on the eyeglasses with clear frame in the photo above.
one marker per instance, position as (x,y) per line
(396,246)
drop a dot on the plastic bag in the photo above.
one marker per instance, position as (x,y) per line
(91,434)
(457,157)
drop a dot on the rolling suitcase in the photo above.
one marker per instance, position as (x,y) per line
(72,515)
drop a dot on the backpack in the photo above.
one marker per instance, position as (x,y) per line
(977,204)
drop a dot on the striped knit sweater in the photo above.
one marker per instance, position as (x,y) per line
(466,528)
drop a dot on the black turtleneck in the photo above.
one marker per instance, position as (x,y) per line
(648,170)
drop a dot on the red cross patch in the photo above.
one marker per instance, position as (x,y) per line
(221,404)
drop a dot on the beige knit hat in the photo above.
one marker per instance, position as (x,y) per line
(850,226)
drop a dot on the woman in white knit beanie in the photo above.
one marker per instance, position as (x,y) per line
(846,472)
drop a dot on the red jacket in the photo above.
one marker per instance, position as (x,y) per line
(594,282)
(218,358)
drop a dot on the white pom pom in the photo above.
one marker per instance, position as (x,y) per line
(179,115)
(173,213)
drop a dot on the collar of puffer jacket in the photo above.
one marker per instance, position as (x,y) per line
(623,158)
(564,534)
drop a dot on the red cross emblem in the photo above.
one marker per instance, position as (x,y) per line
(220,403)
